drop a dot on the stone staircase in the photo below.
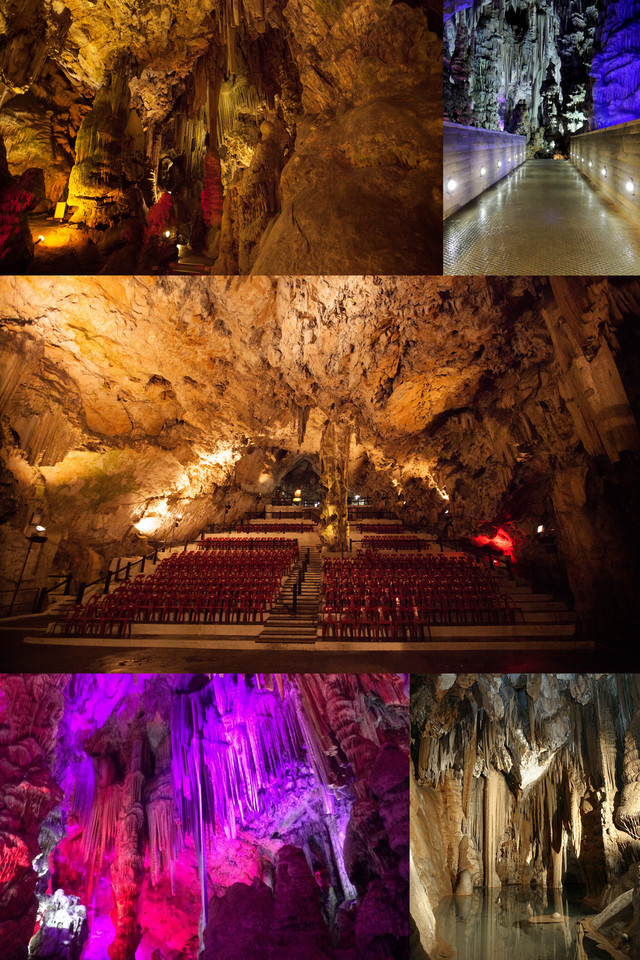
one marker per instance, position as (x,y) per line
(541,613)
(286,626)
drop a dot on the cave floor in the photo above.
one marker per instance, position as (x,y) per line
(24,647)
(543,218)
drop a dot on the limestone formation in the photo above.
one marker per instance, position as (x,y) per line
(134,411)
(546,71)
(525,800)
(226,798)
(323,118)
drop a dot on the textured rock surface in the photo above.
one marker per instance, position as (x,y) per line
(124,399)
(546,71)
(324,117)
(525,795)
(227,797)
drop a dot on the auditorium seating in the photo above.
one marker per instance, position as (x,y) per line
(399,596)
(218,583)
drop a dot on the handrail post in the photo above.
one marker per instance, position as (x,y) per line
(107,582)
(142,565)
(295,597)
(80,594)
(67,585)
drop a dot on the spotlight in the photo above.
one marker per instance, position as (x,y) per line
(499,164)
(604,172)
(508,159)
(39,240)
(451,185)
(590,163)
(540,527)
(630,186)
(483,170)
(40,528)
(167,233)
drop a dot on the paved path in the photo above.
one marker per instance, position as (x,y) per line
(543,218)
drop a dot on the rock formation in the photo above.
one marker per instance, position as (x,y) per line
(323,118)
(546,71)
(165,405)
(231,798)
(526,782)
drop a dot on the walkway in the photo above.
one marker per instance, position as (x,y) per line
(541,219)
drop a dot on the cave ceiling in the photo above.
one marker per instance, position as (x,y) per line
(180,396)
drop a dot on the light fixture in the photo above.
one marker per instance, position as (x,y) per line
(40,528)
(357,496)
(604,172)
(590,163)
(630,186)
(167,233)
(297,492)
(540,527)
(451,185)
(499,164)
(508,159)
(483,170)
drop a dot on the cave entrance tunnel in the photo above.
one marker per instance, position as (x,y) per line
(546,216)
(301,484)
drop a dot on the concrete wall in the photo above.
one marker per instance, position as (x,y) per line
(617,150)
(470,150)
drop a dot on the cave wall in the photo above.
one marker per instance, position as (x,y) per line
(302,117)
(547,71)
(145,801)
(524,779)
(508,402)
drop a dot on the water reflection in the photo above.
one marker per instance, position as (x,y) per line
(517,923)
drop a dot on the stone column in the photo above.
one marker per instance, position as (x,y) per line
(334,465)
(127,871)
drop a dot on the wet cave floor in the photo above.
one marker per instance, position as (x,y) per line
(518,922)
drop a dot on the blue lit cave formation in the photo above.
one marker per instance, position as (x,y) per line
(545,70)
(225,816)
(525,815)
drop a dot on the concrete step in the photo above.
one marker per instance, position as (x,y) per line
(549,616)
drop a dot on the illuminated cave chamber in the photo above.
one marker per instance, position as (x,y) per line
(545,70)
(498,411)
(273,808)
(528,785)
(268,137)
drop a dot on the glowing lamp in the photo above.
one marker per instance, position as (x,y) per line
(630,186)
(508,159)
(483,170)
(147,524)
(167,233)
(590,163)
(499,164)
(40,528)
(540,527)
(357,497)
(604,172)
(297,492)
(451,185)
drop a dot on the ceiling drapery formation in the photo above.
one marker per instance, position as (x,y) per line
(527,780)
(317,123)
(513,398)
(272,806)
(546,70)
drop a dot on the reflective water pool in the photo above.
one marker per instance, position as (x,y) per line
(517,923)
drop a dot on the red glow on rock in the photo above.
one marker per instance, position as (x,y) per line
(501,540)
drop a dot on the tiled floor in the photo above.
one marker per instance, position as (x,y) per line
(541,219)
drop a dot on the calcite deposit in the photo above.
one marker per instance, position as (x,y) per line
(135,411)
(524,783)
(545,71)
(132,805)
(289,137)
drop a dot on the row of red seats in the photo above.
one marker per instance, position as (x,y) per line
(210,587)
(380,595)
(393,543)
(384,528)
(241,543)
(275,527)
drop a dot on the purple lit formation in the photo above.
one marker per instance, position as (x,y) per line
(240,816)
